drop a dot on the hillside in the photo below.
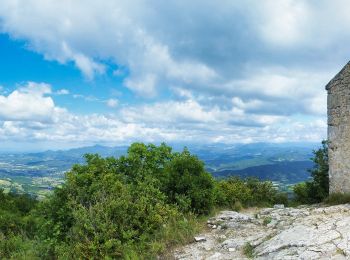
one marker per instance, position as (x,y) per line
(285,172)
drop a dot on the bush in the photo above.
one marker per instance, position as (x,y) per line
(17,246)
(249,192)
(17,226)
(127,206)
(188,183)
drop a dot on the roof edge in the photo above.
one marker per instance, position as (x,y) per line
(329,84)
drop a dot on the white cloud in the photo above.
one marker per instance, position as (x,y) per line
(197,45)
(112,102)
(62,92)
(237,70)
(283,22)
(173,121)
(29,103)
(279,90)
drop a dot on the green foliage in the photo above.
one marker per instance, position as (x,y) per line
(237,206)
(17,225)
(249,192)
(188,183)
(117,207)
(134,206)
(316,190)
(16,246)
(248,250)
(301,192)
(267,220)
(14,216)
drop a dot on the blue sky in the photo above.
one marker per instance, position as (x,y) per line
(76,73)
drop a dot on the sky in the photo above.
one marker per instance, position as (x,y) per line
(82,72)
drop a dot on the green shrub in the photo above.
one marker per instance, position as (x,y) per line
(301,192)
(248,250)
(237,206)
(180,176)
(249,192)
(16,247)
(228,192)
(134,205)
(267,220)
(17,226)
(187,181)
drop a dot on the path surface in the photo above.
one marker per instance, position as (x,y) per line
(275,233)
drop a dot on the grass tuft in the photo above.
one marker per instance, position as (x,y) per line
(337,198)
(267,220)
(248,250)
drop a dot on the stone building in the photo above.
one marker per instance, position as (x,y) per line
(338,110)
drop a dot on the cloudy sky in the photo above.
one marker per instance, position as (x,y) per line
(81,72)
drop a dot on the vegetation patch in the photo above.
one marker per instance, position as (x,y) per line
(267,220)
(248,250)
(337,198)
(140,204)
(317,189)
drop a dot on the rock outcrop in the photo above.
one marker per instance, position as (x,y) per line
(275,233)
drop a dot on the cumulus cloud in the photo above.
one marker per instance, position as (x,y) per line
(112,102)
(235,70)
(197,44)
(29,103)
(34,117)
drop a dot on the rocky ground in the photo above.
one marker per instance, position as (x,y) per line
(313,232)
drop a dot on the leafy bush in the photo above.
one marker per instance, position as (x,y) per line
(17,225)
(249,192)
(116,207)
(16,246)
(188,183)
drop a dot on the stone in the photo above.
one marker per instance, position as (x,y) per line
(278,206)
(232,216)
(215,256)
(338,112)
(308,232)
(200,239)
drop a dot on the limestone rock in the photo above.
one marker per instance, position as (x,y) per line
(312,232)
(200,239)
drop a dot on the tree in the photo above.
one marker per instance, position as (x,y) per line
(318,189)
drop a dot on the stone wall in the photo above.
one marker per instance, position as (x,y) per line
(338,111)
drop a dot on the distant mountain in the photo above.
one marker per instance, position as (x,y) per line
(284,172)
(284,163)
(79,152)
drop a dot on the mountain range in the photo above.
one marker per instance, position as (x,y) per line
(282,163)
